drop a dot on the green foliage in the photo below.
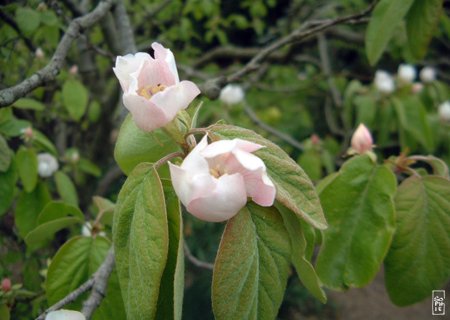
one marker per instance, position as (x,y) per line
(359,206)
(75,98)
(5,155)
(418,260)
(27,19)
(31,104)
(7,187)
(27,166)
(66,188)
(252,265)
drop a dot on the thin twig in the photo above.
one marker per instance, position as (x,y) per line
(111,175)
(196,262)
(51,70)
(99,288)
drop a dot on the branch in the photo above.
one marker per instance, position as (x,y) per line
(124,29)
(99,287)
(211,88)
(111,175)
(51,70)
(196,262)
(97,283)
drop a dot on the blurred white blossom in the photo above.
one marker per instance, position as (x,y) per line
(47,165)
(444,111)
(65,315)
(39,53)
(232,94)
(406,73)
(428,74)
(384,82)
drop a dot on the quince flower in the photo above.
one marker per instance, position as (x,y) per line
(428,74)
(232,94)
(384,82)
(47,165)
(65,315)
(444,111)
(362,141)
(214,180)
(406,73)
(153,92)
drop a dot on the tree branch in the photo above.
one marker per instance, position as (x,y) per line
(211,88)
(196,262)
(51,70)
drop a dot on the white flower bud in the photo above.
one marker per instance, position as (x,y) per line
(384,82)
(428,74)
(406,73)
(444,111)
(417,87)
(47,165)
(65,315)
(232,94)
(86,229)
(39,53)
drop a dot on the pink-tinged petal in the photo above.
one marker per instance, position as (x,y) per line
(154,72)
(247,146)
(249,161)
(127,65)
(224,146)
(223,202)
(180,178)
(166,55)
(260,188)
(175,98)
(362,141)
(146,115)
(194,162)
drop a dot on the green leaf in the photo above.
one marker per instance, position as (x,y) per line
(27,165)
(439,166)
(42,142)
(29,205)
(73,264)
(366,108)
(170,300)
(5,155)
(386,17)
(141,241)
(311,162)
(294,189)
(421,24)
(43,233)
(57,209)
(4,312)
(75,98)
(413,119)
(27,19)
(252,265)
(66,188)
(135,146)
(7,187)
(418,261)
(304,268)
(359,205)
(88,167)
(27,103)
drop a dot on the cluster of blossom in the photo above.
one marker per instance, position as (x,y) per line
(406,74)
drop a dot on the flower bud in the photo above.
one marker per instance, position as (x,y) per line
(65,315)
(444,111)
(417,87)
(315,139)
(427,74)
(362,141)
(47,165)
(39,53)
(73,70)
(384,82)
(406,73)
(6,285)
(232,94)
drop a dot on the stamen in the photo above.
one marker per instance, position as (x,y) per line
(214,172)
(148,91)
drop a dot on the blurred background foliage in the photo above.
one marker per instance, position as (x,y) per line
(315,92)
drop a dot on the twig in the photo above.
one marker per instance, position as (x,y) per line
(100,283)
(111,175)
(212,87)
(286,138)
(51,70)
(122,22)
(196,262)
(157,9)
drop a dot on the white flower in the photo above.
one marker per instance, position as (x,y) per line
(47,164)
(406,73)
(444,111)
(428,74)
(232,94)
(39,53)
(65,315)
(384,82)
(86,229)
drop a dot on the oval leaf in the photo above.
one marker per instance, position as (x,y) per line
(359,205)
(141,241)
(75,98)
(419,261)
(5,155)
(66,188)
(27,103)
(294,189)
(7,187)
(252,265)
(27,165)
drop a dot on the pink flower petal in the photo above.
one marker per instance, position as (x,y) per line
(145,114)
(154,72)
(127,65)
(194,162)
(223,202)
(167,56)
(175,98)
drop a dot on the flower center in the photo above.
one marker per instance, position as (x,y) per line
(148,91)
(215,172)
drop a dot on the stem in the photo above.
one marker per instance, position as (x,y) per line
(163,160)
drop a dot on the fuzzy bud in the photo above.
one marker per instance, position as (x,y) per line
(384,82)
(407,73)
(39,53)
(232,94)
(427,74)
(6,285)
(444,111)
(362,141)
